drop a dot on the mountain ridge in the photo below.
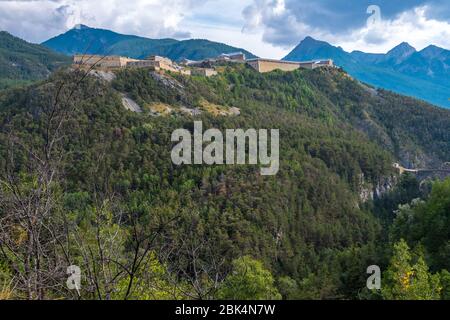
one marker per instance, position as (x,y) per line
(22,62)
(421,74)
(85,39)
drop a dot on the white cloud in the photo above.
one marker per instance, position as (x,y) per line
(233,36)
(280,25)
(269,28)
(411,26)
(215,20)
(38,20)
(224,23)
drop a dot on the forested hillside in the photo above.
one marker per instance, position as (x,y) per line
(423,74)
(414,131)
(22,62)
(86,182)
(84,40)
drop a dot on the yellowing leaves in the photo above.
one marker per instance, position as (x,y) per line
(159,108)
(217,110)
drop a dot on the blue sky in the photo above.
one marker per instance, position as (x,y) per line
(269,28)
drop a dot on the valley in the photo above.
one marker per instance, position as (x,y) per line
(300,230)
(113,170)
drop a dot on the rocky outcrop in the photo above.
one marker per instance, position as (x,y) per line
(130,104)
(107,76)
(385,185)
(368,191)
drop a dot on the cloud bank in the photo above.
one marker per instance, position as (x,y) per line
(267,27)
(348,23)
(38,20)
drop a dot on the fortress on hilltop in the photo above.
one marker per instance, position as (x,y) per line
(204,67)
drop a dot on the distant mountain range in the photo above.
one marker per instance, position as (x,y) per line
(22,62)
(84,39)
(423,74)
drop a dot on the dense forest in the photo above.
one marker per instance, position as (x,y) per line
(22,62)
(86,182)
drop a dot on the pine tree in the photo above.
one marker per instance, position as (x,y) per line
(407,281)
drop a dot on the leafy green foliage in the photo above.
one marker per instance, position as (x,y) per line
(249,281)
(445,282)
(427,223)
(407,279)
(6,282)
(154,282)
(405,191)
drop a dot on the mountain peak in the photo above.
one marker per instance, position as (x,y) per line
(310,41)
(81,27)
(404,46)
(432,51)
(312,49)
(401,52)
(85,39)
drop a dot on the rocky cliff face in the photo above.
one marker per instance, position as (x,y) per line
(368,191)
